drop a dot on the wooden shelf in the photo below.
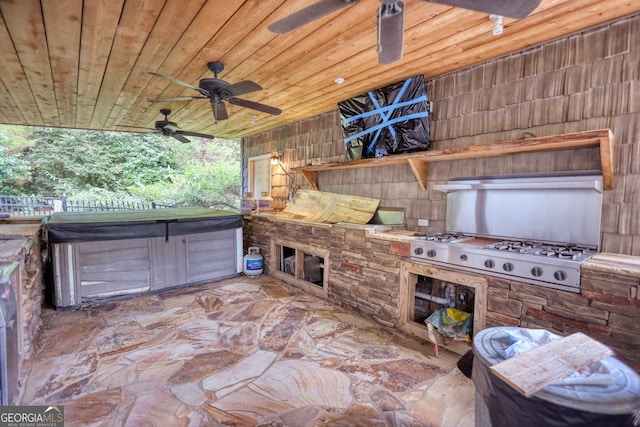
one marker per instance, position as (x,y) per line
(418,161)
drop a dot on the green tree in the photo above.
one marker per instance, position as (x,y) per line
(200,185)
(67,161)
(14,172)
(13,137)
(122,166)
(210,176)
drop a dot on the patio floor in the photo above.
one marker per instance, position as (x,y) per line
(241,352)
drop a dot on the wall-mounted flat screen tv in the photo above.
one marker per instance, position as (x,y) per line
(390,120)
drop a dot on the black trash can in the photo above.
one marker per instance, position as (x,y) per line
(605,395)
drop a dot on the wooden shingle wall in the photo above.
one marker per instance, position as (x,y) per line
(316,139)
(586,81)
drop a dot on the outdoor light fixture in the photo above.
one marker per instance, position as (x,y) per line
(276,160)
(497,24)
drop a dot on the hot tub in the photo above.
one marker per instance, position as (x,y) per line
(101,255)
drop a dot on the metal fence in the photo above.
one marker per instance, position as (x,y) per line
(42,206)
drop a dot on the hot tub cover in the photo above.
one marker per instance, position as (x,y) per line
(70,227)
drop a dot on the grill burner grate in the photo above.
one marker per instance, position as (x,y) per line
(541,249)
(443,237)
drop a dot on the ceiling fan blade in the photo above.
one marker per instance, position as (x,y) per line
(390,31)
(243,87)
(196,134)
(255,106)
(510,8)
(180,138)
(174,80)
(308,14)
(177,98)
(219,109)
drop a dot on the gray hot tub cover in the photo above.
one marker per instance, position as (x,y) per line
(119,225)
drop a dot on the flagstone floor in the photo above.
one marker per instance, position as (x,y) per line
(242,352)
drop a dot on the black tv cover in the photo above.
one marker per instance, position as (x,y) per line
(390,120)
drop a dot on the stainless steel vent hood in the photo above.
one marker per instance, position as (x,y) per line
(554,207)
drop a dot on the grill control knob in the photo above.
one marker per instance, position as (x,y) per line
(463,257)
(536,271)
(418,251)
(507,266)
(560,275)
(431,253)
(489,263)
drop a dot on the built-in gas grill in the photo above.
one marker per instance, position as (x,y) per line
(532,262)
(535,229)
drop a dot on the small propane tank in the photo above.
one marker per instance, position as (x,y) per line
(248,205)
(265,203)
(253,262)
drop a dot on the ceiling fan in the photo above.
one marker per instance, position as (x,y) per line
(391,18)
(217,91)
(167,128)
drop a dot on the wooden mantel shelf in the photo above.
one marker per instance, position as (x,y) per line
(418,161)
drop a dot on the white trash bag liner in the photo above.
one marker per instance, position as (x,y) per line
(605,387)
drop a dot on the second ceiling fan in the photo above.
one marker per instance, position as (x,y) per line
(169,128)
(391,18)
(217,91)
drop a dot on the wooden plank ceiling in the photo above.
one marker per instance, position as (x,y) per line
(85,64)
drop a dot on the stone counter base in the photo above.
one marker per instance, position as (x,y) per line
(364,275)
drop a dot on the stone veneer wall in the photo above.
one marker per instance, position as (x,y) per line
(32,296)
(364,273)
(589,80)
(364,276)
(605,310)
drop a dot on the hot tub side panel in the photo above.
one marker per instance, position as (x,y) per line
(86,269)
(211,255)
(89,270)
